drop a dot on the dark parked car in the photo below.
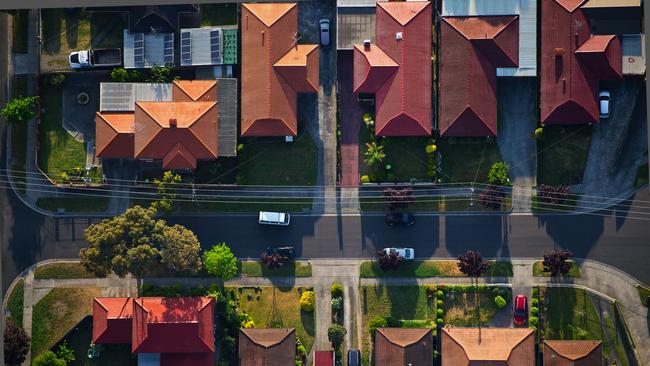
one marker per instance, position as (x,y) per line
(354,357)
(284,252)
(521,310)
(396,218)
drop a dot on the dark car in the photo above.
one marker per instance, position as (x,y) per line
(396,218)
(284,252)
(521,310)
(354,357)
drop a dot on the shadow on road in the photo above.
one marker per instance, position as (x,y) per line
(579,234)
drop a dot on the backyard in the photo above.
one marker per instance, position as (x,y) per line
(562,153)
(467,160)
(218,14)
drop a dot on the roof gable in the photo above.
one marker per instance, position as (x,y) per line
(194,90)
(299,68)
(269,13)
(574,350)
(470,124)
(492,344)
(570,5)
(403,12)
(372,67)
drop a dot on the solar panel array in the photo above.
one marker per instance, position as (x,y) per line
(215,46)
(186,48)
(116,97)
(138,50)
(169,49)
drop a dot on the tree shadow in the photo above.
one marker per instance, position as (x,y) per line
(579,234)
(485,234)
(51,23)
(72,28)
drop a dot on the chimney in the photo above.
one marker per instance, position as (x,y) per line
(558,52)
(172,123)
(366,44)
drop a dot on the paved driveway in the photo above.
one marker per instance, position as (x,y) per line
(79,119)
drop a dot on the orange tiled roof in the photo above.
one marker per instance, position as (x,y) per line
(299,68)
(490,346)
(194,90)
(573,353)
(114,135)
(267,347)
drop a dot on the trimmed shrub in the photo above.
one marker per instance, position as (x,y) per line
(439,312)
(336,289)
(539,131)
(431,148)
(439,321)
(365,179)
(500,302)
(534,311)
(377,322)
(415,323)
(534,302)
(498,174)
(534,321)
(439,303)
(120,75)
(535,291)
(307,301)
(440,293)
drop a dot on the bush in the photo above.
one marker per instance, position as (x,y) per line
(534,302)
(377,322)
(439,312)
(431,148)
(415,323)
(119,74)
(336,289)
(307,301)
(534,311)
(439,321)
(499,301)
(19,110)
(439,303)
(538,132)
(440,293)
(48,359)
(533,321)
(336,333)
(498,174)
(535,291)
(65,352)
(337,304)
(365,179)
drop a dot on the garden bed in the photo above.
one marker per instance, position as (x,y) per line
(430,268)
(538,270)
(562,153)
(61,271)
(289,269)
(466,308)
(15,303)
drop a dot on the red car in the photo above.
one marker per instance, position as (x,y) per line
(521,310)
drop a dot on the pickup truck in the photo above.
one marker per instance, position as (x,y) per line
(101,57)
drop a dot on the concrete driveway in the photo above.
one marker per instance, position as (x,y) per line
(79,119)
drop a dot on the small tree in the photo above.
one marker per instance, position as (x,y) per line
(65,353)
(473,265)
(389,261)
(556,262)
(16,344)
(221,262)
(307,301)
(160,74)
(336,334)
(498,174)
(19,110)
(398,199)
(165,187)
(48,358)
(272,261)
(119,74)
(374,154)
(181,250)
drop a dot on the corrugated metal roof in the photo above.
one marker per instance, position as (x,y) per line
(201,46)
(355,3)
(354,25)
(633,47)
(227,119)
(527,10)
(148,50)
(121,97)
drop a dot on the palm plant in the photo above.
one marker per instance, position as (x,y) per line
(374,154)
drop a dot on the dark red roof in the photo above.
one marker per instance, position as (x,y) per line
(112,320)
(471,50)
(398,71)
(324,358)
(572,64)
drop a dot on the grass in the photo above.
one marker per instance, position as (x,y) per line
(19,31)
(58,150)
(64,32)
(538,270)
(218,14)
(61,271)
(644,292)
(419,268)
(19,135)
(290,269)
(266,161)
(467,160)
(111,38)
(462,308)
(15,302)
(641,176)
(73,204)
(246,205)
(57,313)
(278,304)
(562,153)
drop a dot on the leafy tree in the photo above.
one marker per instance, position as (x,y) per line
(307,301)
(473,265)
(398,199)
(336,334)
(181,250)
(272,261)
(221,262)
(166,189)
(498,174)
(19,110)
(119,74)
(374,154)
(125,243)
(16,344)
(556,262)
(389,261)
(65,353)
(160,74)
(48,358)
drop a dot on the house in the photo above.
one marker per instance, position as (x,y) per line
(274,69)
(397,69)
(162,331)
(573,62)
(267,347)
(472,48)
(403,346)
(573,353)
(324,358)
(177,124)
(487,346)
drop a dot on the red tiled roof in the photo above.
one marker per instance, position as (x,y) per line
(267,347)
(471,50)
(194,90)
(488,347)
(274,69)
(112,320)
(114,135)
(403,346)
(573,353)
(324,358)
(569,87)
(398,71)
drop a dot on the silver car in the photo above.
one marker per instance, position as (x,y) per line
(274,218)
(406,253)
(603,103)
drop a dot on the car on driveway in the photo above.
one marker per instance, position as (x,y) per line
(284,252)
(354,357)
(520,315)
(604,103)
(324,32)
(399,218)
(406,253)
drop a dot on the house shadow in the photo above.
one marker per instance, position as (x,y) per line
(578,233)
(485,234)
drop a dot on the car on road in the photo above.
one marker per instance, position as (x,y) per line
(406,253)
(324,32)
(274,218)
(354,357)
(604,103)
(284,252)
(520,315)
(399,218)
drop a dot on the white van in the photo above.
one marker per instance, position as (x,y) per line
(274,218)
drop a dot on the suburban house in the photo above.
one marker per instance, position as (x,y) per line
(473,346)
(403,346)
(162,331)
(397,68)
(267,347)
(573,353)
(177,124)
(274,69)
(574,61)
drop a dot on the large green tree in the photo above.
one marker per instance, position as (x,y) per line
(221,262)
(19,110)
(181,250)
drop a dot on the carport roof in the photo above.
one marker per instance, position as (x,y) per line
(354,25)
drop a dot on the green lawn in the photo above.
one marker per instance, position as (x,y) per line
(19,31)
(467,160)
(644,292)
(58,150)
(290,269)
(562,153)
(223,170)
(218,14)
(538,270)
(435,204)
(15,302)
(107,31)
(64,32)
(465,308)
(57,313)
(419,268)
(19,134)
(271,161)
(74,204)
(61,271)
(641,176)
(269,304)
(246,205)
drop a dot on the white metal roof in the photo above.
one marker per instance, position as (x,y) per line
(148,50)
(114,97)
(355,3)
(201,46)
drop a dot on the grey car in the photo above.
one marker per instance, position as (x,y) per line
(324,32)
(354,357)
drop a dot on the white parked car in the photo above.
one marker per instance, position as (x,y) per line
(406,253)
(274,218)
(603,102)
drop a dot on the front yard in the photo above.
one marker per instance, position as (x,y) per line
(15,303)
(538,270)
(289,269)
(465,306)
(467,160)
(420,268)
(562,153)
(61,271)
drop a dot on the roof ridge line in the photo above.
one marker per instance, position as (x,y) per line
(214,104)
